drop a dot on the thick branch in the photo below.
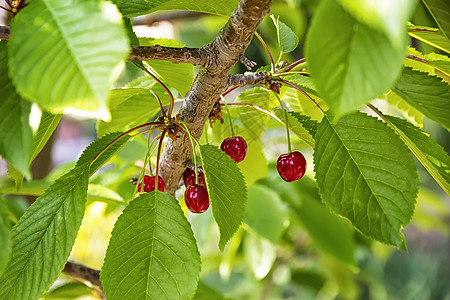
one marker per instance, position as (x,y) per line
(210,82)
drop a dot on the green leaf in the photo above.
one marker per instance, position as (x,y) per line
(65,53)
(260,254)
(253,120)
(254,166)
(306,122)
(113,141)
(287,39)
(387,16)
(428,94)
(152,253)
(129,108)
(15,130)
(440,10)
(43,238)
(45,130)
(430,154)
(430,62)
(296,126)
(205,292)
(430,36)
(69,290)
(350,62)
(397,101)
(133,8)
(304,82)
(178,76)
(366,174)
(329,232)
(227,191)
(266,213)
(5,244)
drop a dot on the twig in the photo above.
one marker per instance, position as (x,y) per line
(194,56)
(79,271)
(249,64)
(247,79)
(4,33)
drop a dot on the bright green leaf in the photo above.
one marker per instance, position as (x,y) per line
(430,62)
(227,191)
(253,120)
(45,130)
(205,292)
(440,10)
(304,82)
(266,213)
(350,62)
(430,154)
(366,174)
(428,94)
(296,126)
(43,238)
(430,36)
(69,290)
(152,253)
(397,101)
(388,16)
(5,244)
(15,130)
(133,8)
(306,122)
(129,108)
(110,142)
(287,39)
(64,53)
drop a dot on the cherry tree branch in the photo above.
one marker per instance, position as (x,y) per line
(195,56)
(248,79)
(82,273)
(4,33)
(210,82)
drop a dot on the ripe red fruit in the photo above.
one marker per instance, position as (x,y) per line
(196,198)
(291,166)
(149,184)
(189,177)
(235,147)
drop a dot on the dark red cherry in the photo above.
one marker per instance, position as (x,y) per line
(189,177)
(196,198)
(235,147)
(291,166)
(149,184)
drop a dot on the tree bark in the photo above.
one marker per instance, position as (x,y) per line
(210,83)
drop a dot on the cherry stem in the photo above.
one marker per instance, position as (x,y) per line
(272,64)
(160,104)
(257,108)
(293,65)
(191,138)
(150,153)
(287,122)
(229,90)
(158,156)
(229,115)
(169,113)
(7,9)
(302,91)
(290,72)
(124,134)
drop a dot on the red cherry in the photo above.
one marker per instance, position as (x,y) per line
(291,166)
(189,177)
(149,184)
(196,198)
(235,147)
